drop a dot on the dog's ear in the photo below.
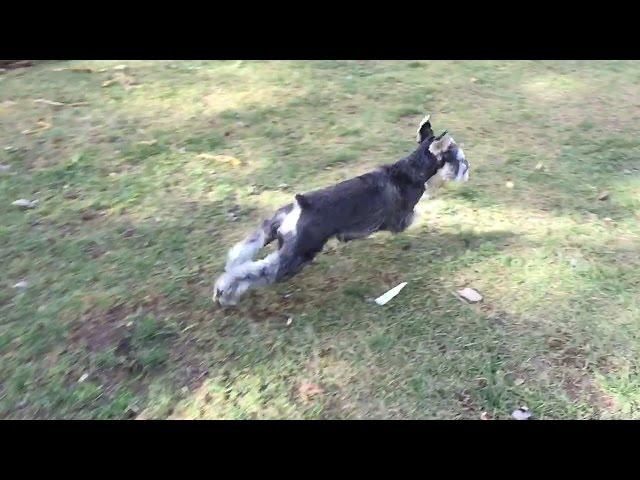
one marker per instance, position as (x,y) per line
(441,144)
(424,130)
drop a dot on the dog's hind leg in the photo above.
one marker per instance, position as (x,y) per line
(276,267)
(232,284)
(297,249)
(247,249)
(241,272)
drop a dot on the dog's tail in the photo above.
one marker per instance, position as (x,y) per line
(303,201)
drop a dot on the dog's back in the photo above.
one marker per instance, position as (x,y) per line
(355,205)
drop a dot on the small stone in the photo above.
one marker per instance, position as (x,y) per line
(509,185)
(4,168)
(485,416)
(470,295)
(603,196)
(21,285)
(289,321)
(24,203)
(522,413)
(539,166)
(518,381)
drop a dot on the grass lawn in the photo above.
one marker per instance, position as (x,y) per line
(146,182)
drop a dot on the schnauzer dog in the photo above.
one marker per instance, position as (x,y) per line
(380,200)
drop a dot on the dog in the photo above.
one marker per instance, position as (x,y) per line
(381,200)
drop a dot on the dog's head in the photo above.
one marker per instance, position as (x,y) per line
(452,164)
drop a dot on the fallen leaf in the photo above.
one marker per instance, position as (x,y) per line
(49,102)
(127,81)
(518,381)
(88,215)
(120,67)
(307,390)
(473,79)
(522,413)
(509,185)
(386,297)
(485,416)
(74,69)
(289,321)
(470,295)
(83,377)
(24,203)
(21,284)
(59,104)
(220,158)
(148,142)
(465,399)
(42,126)
(539,166)
(554,342)
(12,64)
(603,196)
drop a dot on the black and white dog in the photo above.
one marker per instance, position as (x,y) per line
(380,200)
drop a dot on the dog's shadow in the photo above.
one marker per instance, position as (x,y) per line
(356,271)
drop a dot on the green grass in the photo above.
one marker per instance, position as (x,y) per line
(132,227)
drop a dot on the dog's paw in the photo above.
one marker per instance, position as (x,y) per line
(223,291)
(223,300)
